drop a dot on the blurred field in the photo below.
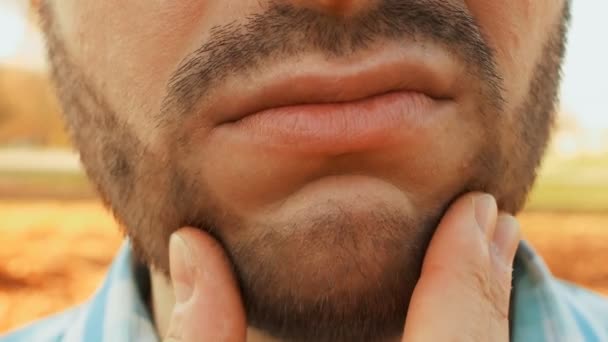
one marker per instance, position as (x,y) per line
(54,253)
(59,185)
(29,111)
(572,184)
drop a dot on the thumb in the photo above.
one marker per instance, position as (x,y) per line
(208,303)
(465,283)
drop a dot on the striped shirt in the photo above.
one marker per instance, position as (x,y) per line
(543,309)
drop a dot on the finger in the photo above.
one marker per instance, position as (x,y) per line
(454,295)
(208,302)
(504,245)
(506,238)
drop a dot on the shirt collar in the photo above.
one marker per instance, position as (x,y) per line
(116,312)
(538,308)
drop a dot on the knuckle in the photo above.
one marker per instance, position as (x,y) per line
(481,282)
(477,272)
(493,291)
(501,291)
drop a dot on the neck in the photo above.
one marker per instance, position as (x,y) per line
(163,301)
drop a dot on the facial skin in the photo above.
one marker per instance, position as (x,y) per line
(326,239)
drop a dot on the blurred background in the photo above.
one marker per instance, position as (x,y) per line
(57,240)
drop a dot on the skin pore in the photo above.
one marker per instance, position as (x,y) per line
(326,246)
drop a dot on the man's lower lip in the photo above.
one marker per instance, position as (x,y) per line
(335,128)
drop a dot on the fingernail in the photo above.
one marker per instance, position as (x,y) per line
(182,269)
(506,237)
(483,210)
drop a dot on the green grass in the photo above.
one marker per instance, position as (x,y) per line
(578,184)
(44,184)
(46,178)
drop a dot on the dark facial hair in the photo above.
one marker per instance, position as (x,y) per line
(153,194)
(284,31)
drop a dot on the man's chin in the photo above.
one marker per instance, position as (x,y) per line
(332,274)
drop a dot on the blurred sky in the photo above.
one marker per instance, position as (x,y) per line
(585,87)
(584,91)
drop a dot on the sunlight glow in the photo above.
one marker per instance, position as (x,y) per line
(12,31)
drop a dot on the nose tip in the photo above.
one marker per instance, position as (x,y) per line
(336,7)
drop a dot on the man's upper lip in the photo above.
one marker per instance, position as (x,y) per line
(312,80)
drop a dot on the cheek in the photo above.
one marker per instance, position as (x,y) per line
(517,30)
(128,50)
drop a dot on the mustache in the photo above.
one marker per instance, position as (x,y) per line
(282,30)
